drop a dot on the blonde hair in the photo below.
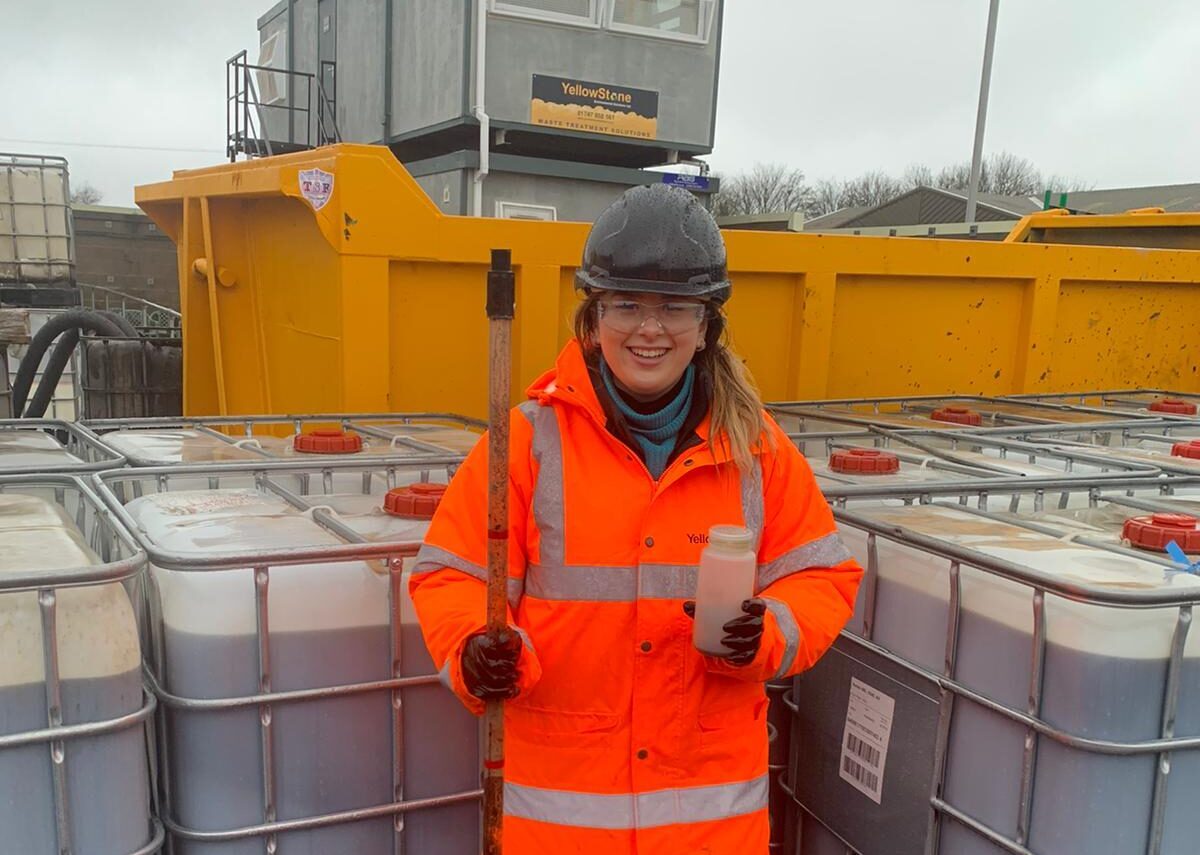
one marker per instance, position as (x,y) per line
(737,409)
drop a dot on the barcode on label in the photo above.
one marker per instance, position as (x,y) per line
(864,749)
(867,752)
(860,773)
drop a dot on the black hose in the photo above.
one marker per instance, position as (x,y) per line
(72,320)
(121,321)
(59,357)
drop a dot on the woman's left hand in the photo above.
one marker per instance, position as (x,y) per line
(743,634)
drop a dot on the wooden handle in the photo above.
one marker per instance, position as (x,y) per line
(500,309)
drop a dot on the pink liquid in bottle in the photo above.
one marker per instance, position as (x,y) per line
(726,579)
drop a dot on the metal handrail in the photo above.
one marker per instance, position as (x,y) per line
(243,106)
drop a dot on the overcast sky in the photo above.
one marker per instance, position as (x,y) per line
(1104,90)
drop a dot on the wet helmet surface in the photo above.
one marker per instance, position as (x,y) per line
(657,239)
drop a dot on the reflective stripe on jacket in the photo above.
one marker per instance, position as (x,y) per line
(624,738)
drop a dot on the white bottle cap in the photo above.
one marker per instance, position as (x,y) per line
(731,537)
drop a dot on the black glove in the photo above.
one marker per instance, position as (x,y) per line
(489,665)
(743,634)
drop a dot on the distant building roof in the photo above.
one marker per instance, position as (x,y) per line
(930,205)
(834,219)
(1170,197)
(782,221)
(106,209)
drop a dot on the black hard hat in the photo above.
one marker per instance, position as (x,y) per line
(658,239)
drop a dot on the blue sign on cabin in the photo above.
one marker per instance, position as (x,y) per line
(686,181)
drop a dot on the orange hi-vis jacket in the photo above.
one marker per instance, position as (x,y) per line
(624,738)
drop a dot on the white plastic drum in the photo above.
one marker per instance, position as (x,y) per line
(99,661)
(1104,678)
(28,449)
(329,626)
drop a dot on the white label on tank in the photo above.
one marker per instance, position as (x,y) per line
(865,740)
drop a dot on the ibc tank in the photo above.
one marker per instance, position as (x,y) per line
(107,790)
(452,760)
(1104,675)
(923,413)
(328,626)
(41,446)
(867,463)
(33,450)
(148,447)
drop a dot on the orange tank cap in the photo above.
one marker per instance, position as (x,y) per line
(415,501)
(328,442)
(864,461)
(1155,531)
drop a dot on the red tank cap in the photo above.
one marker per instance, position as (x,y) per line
(1155,531)
(414,502)
(1189,449)
(1176,406)
(864,461)
(328,442)
(957,415)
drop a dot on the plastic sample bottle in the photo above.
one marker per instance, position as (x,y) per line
(726,579)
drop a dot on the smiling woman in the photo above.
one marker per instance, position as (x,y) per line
(622,736)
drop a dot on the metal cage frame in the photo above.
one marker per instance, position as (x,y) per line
(252,426)
(94,455)
(119,486)
(952,690)
(122,562)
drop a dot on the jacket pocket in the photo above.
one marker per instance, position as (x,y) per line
(739,716)
(537,725)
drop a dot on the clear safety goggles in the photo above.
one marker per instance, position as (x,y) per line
(628,316)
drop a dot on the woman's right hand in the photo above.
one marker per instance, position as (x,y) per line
(489,665)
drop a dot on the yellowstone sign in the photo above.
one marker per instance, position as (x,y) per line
(594,108)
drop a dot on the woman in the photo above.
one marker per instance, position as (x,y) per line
(622,737)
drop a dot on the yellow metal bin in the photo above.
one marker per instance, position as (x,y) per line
(326,281)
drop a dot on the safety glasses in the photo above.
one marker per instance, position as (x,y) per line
(628,316)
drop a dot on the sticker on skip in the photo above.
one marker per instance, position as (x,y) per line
(865,740)
(316,185)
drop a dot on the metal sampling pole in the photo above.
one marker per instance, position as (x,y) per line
(501,301)
(981,116)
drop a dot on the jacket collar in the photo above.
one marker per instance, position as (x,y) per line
(570,384)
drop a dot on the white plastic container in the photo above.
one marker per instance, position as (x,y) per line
(1104,678)
(441,737)
(329,626)
(185,446)
(725,581)
(99,661)
(26,449)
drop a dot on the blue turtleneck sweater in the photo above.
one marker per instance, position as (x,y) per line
(654,432)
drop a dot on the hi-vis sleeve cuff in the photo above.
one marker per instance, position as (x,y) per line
(451,675)
(776,656)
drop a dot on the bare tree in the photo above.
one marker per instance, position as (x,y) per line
(867,190)
(957,176)
(826,198)
(1008,175)
(917,175)
(86,194)
(774,187)
(1067,184)
(766,189)
(870,189)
